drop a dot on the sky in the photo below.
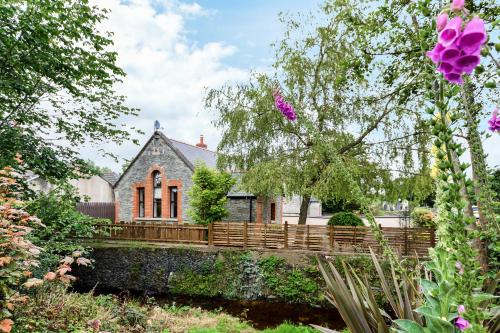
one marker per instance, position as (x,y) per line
(173,51)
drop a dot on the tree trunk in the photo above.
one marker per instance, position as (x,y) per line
(304,207)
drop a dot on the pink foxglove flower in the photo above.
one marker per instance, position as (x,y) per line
(441,21)
(474,35)
(461,309)
(445,68)
(462,324)
(454,78)
(285,108)
(457,5)
(435,53)
(494,122)
(467,62)
(450,53)
(451,32)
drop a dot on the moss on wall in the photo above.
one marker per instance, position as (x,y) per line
(291,277)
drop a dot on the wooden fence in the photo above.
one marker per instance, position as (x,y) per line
(170,233)
(334,239)
(105,210)
(331,239)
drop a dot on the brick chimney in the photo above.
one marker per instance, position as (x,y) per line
(201,144)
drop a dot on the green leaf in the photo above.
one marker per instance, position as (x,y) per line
(409,326)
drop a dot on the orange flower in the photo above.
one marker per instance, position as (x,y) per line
(6,325)
(49,276)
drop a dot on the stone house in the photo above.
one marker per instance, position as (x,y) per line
(154,186)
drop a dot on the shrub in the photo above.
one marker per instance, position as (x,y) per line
(208,195)
(63,225)
(422,217)
(345,219)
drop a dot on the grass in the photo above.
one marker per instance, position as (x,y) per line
(52,308)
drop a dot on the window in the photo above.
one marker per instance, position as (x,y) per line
(273,211)
(173,201)
(156,194)
(140,195)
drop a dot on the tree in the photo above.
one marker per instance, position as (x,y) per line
(208,195)
(347,118)
(57,91)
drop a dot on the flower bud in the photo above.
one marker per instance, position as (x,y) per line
(457,5)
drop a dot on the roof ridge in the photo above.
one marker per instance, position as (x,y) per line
(189,144)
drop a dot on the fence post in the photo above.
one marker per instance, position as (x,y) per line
(245,234)
(178,231)
(433,237)
(211,234)
(307,236)
(330,228)
(265,235)
(227,233)
(285,235)
(406,241)
(380,250)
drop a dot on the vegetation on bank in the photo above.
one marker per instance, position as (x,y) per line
(53,309)
(291,278)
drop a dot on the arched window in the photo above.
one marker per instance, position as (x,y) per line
(156,194)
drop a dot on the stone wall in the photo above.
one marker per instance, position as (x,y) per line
(205,272)
(236,274)
(239,209)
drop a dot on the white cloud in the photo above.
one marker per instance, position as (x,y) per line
(167,73)
(193,9)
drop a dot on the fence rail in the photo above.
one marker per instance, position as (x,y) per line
(406,241)
(331,239)
(171,233)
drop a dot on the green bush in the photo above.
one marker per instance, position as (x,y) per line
(422,217)
(63,225)
(345,219)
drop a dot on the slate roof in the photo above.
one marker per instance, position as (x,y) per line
(194,154)
(110,177)
(189,154)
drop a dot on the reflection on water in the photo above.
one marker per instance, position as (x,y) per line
(262,314)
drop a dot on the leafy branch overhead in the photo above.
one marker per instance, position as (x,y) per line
(58,77)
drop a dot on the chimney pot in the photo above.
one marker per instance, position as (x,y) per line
(201,144)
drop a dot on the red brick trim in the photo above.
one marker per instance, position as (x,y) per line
(148,189)
(178,183)
(117,211)
(135,198)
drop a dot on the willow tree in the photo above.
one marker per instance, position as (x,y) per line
(349,122)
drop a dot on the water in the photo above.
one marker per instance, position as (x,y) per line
(262,314)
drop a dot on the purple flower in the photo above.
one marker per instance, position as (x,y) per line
(454,78)
(450,53)
(435,53)
(467,62)
(461,309)
(474,35)
(285,108)
(451,32)
(445,68)
(462,323)
(457,5)
(441,21)
(494,122)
